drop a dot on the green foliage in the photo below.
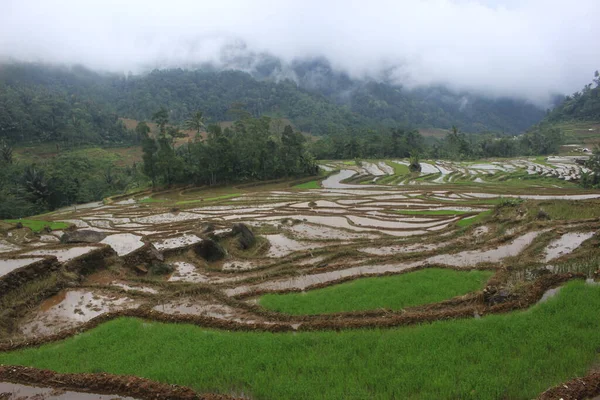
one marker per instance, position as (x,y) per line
(414,165)
(195,123)
(247,151)
(390,292)
(466,222)
(159,268)
(508,356)
(509,202)
(37,225)
(591,179)
(216,198)
(581,105)
(75,177)
(308,185)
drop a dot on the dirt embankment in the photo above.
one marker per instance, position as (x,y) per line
(132,386)
(587,387)
(467,308)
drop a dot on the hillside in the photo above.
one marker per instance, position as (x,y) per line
(59,103)
(578,117)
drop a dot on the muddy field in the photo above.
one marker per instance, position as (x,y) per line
(208,262)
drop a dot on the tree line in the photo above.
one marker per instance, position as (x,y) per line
(251,149)
(456,145)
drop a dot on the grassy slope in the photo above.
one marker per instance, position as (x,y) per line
(466,222)
(308,185)
(37,225)
(392,292)
(511,356)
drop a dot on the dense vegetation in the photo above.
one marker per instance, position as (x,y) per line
(456,145)
(249,150)
(30,189)
(511,356)
(222,95)
(581,105)
(67,108)
(391,292)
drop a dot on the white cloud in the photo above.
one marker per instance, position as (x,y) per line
(527,48)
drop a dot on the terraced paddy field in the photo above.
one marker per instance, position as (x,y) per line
(369,282)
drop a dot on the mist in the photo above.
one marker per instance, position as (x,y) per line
(527,49)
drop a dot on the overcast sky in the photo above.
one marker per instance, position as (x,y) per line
(526,48)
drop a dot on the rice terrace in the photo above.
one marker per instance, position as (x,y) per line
(464,281)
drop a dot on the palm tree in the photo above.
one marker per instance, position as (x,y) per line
(6,153)
(196,122)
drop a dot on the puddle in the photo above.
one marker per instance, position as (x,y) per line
(481,230)
(473,257)
(135,288)
(239,266)
(281,245)
(206,308)
(49,239)
(565,244)
(402,249)
(428,169)
(302,282)
(17,391)
(312,232)
(372,169)
(318,203)
(385,168)
(72,307)
(186,272)
(176,242)
(123,243)
(77,222)
(311,261)
(549,294)
(386,224)
(64,254)
(168,217)
(5,246)
(7,266)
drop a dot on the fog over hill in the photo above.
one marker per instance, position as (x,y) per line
(530,50)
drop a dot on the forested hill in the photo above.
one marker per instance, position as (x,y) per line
(583,105)
(54,102)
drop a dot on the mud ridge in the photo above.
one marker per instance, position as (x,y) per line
(314,323)
(255,293)
(132,386)
(587,387)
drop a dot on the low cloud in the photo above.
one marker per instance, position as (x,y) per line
(528,49)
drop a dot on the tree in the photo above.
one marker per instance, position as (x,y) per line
(195,123)
(6,153)
(149,149)
(161,118)
(591,179)
(141,130)
(35,184)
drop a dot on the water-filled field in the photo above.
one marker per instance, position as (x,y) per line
(369,281)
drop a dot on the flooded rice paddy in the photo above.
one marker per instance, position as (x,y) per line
(183,257)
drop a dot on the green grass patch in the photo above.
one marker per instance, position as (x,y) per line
(308,185)
(466,222)
(432,212)
(509,356)
(569,210)
(38,225)
(391,292)
(399,169)
(216,198)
